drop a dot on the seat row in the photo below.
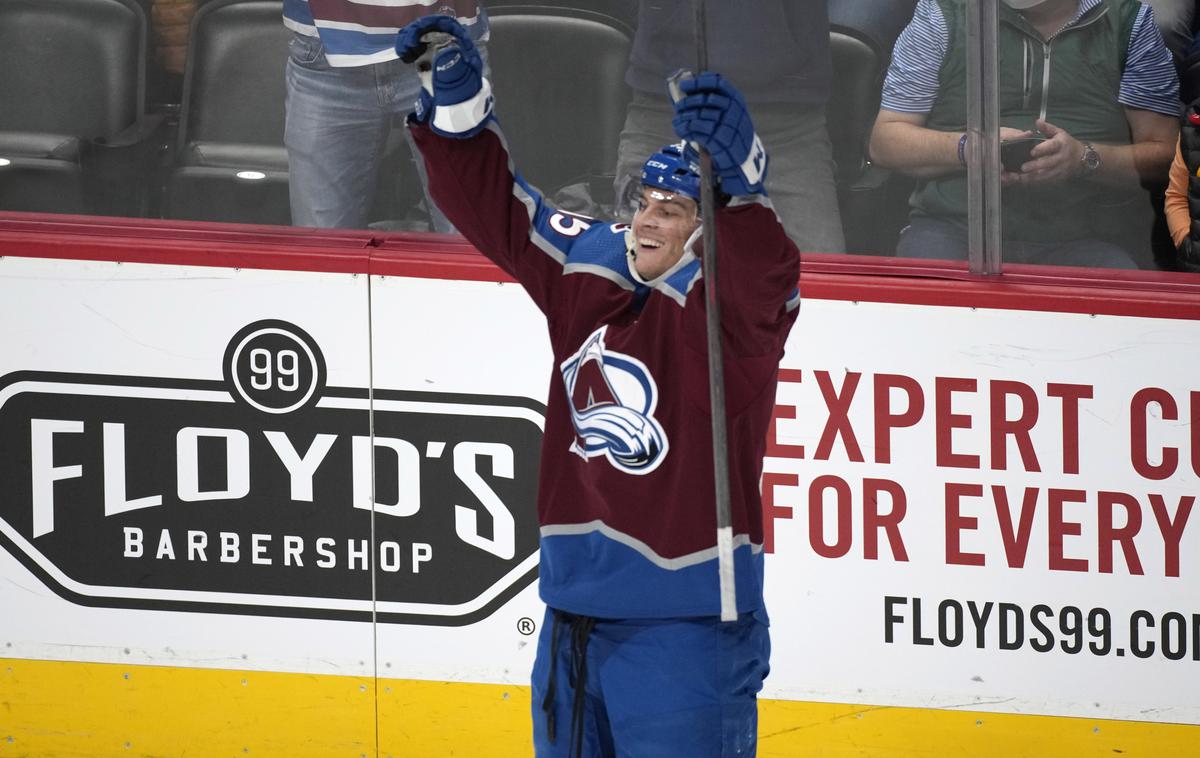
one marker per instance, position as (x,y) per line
(76,136)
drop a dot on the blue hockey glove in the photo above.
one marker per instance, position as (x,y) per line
(410,44)
(455,99)
(713,114)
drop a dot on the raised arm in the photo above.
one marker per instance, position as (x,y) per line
(470,173)
(759,268)
(758,265)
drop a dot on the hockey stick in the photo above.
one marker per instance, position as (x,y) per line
(716,369)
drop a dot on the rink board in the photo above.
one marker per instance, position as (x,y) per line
(980,519)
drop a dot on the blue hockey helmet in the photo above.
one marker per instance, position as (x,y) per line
(675,169)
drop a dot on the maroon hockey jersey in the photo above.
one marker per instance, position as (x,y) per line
(625,499)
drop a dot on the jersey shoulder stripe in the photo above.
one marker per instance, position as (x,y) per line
(678,285)
(600,251)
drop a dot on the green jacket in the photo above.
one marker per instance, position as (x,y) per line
(1072,81)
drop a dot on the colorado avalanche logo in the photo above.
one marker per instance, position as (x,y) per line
(613,397)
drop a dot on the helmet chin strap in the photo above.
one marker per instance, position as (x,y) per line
(631,255)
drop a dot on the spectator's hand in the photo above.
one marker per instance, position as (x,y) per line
(1057,159)
(455,99)
(713,114)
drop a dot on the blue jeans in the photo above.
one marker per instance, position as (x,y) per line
(800,178)
(337,127)
(652,688)
(927,237)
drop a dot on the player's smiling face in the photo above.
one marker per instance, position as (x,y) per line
(661,228)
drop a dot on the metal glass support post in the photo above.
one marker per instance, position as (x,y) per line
(983,141)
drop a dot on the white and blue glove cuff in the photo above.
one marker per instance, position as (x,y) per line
(748,178)
(466,118)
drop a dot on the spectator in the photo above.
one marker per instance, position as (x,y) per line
(777,53)
(346,89)
(1106,111)
(1183,191)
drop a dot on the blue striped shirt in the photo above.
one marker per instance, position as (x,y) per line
(1149,80)
(362,32)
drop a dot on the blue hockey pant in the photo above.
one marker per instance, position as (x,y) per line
(649,688)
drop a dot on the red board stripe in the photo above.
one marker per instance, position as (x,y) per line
(433,256)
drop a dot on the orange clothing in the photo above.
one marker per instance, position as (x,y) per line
(1179,216)
(170,19)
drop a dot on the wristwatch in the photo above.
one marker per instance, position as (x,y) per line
(1090,159)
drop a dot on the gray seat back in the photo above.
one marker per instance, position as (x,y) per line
(233,86)
(72,67)
(559,77)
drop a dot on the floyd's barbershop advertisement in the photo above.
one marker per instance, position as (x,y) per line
(963,508)
(989,507)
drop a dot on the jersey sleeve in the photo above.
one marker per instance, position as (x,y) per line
(758,269)
(505,218)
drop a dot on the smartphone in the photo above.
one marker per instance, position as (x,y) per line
(1014,153)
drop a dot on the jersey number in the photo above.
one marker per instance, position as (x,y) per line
(569,225)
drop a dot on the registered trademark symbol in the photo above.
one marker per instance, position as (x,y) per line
(526,626)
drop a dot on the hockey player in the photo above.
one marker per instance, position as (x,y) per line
(632,658)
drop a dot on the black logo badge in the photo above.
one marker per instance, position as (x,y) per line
(253,494)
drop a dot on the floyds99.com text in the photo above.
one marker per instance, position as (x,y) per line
(1071,630)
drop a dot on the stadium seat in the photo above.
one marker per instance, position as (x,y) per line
(873,201)
(559,75)
(622,13)
(73,135)
(853,102)
(230,163)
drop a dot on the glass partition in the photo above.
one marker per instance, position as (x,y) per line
(1089,105)
(292,112)
(914,203)
(1088,101)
